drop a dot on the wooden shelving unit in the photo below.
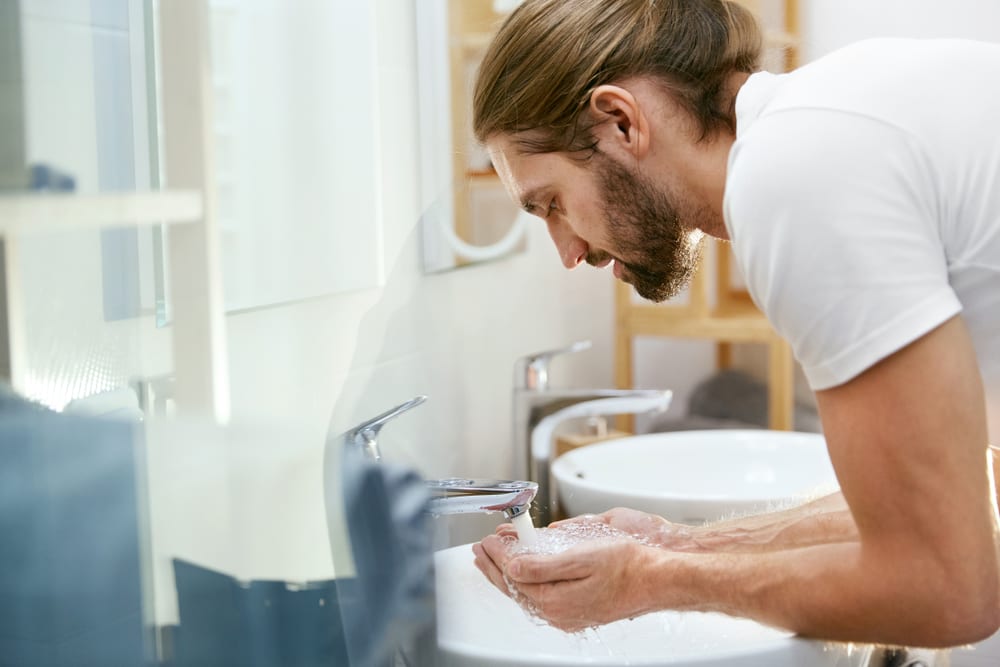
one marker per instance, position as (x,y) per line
(730,317)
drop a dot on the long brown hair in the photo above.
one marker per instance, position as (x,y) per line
(549,55)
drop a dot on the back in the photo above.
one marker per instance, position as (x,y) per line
(863,201)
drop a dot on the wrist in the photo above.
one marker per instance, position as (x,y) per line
(687,538)
(672,580)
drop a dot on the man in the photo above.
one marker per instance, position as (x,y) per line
(861,195)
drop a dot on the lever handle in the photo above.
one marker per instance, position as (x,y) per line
(365,434)
(532,371)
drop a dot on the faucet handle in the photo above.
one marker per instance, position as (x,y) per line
(532,371)
(365,434)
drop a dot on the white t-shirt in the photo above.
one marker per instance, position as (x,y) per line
(863,202)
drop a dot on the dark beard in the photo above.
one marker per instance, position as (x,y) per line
(658,255)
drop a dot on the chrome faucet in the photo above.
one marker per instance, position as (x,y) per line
(454,495)
(460,496)
(538,409)
(365,435)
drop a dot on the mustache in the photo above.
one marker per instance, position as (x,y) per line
(639,272)
(595,257)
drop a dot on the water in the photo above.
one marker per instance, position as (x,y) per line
(559,539)
(526,534)
(549,541)
(589,642)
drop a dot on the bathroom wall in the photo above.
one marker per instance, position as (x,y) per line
(331,362)
(829,24)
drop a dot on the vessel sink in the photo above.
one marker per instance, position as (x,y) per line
(480,627)
(695,476)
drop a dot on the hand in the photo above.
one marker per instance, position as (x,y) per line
(647,528)
(592,583)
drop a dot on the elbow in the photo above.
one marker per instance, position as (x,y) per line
(967,613)
(960,626)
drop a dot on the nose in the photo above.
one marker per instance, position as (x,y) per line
(572,249)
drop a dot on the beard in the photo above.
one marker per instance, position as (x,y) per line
(658,255)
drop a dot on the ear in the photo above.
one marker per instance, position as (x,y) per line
(620,124)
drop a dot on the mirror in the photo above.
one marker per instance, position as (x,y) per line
(467,216)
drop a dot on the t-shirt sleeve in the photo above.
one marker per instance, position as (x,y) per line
(833,218)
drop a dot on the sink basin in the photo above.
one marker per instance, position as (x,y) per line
(695,476)
(480,627)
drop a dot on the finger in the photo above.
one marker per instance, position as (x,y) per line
(486,565)
(497,548)
(505,528)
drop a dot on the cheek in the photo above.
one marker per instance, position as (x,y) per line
(591,221)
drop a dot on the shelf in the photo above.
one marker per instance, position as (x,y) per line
(781,40)
(40,213)
(476,42)
(483,179)
(738,325)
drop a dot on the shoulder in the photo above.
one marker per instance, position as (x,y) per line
(833,221)
(822,162)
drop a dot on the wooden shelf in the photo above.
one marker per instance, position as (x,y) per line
(781,39)
(483,179)
(475,43)
(732,325)
(41,213)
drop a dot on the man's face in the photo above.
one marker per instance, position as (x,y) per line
(600,212)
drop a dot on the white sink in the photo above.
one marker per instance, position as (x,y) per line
(695,476)
(480,627)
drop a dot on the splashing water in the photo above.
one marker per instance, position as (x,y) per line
(566,536)
(526,534)
(555,540)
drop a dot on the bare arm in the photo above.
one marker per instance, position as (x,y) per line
(908,441)
(826,520)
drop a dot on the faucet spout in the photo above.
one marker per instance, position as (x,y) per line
(448,496)
(461,496)
(365,435)
(610,402)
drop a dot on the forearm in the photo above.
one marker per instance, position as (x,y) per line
(825,520)
(835,592)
